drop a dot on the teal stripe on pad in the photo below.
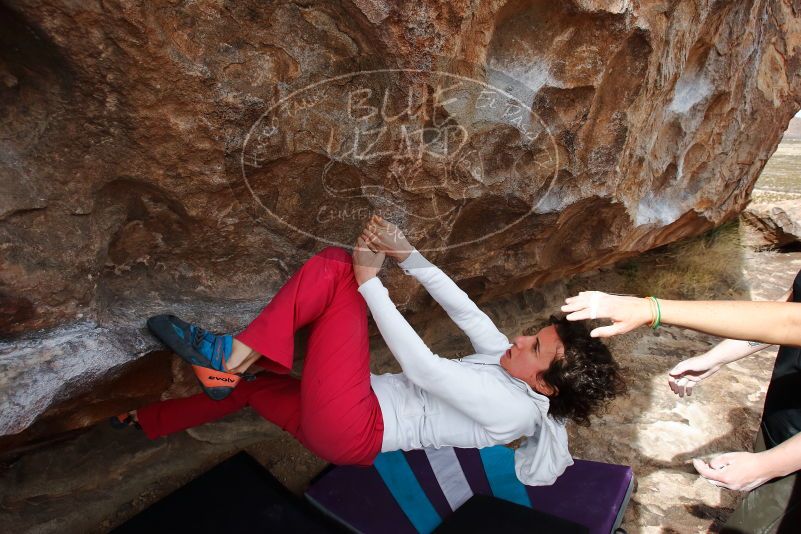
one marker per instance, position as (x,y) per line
(401,482)
(499,465)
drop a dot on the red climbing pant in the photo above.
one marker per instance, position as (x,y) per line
(331,410)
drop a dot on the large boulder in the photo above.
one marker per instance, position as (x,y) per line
(189,156)
(778,223)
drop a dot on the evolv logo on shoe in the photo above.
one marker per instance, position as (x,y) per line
(221,379)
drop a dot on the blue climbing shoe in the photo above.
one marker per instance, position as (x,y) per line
(205,351)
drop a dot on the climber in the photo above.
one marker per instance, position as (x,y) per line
(524,389)
(771,473)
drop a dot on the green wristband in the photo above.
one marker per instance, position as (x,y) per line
(658,321)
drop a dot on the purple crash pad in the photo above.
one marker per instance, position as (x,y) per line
(358,498)
(592,494)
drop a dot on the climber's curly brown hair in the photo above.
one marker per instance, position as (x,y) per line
(586,379)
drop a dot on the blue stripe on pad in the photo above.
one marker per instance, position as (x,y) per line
(401,482)
(499,466)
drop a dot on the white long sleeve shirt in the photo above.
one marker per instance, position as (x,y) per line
(469,402)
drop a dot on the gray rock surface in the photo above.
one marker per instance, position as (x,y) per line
(778,223)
